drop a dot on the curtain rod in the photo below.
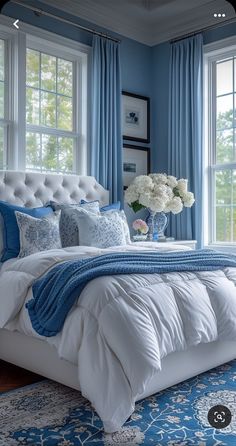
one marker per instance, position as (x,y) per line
(40,12)
(207,28)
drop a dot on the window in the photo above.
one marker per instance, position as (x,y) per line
(3,103)
(49,105)
(221,126)
(48,109)
(2,95)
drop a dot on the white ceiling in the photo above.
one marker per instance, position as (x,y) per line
(148,21)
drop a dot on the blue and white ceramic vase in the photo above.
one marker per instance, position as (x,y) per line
(157,223)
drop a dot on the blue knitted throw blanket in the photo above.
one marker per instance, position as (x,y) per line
(57,291)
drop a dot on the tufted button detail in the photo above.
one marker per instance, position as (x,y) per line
(35,189)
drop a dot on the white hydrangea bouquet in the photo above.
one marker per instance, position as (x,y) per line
(159,193)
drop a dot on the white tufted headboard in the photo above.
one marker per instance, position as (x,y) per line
(33,189)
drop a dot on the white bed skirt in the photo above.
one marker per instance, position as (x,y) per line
(39,357)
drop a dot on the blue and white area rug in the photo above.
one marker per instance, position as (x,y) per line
(49,414)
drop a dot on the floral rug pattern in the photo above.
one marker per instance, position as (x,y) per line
(49,414)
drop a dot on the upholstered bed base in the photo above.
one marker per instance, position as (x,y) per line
(40,357)
(35,189)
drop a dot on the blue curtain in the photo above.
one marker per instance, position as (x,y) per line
(106,141)
(185,154)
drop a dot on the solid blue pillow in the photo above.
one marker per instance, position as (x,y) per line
(11,240)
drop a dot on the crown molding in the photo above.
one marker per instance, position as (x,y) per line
(183,28)
(212,49)
(112,18)
(147,24)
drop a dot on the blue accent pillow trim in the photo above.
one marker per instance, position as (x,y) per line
(85,202)
(11,238)
(109,207)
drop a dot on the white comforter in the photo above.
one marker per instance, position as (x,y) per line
(122,326)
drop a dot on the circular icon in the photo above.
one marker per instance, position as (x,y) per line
(219,417)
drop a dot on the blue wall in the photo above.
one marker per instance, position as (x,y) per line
(144,70)
(136,62)
(136,58)
(160,96)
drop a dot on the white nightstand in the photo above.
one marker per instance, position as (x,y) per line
(190,243)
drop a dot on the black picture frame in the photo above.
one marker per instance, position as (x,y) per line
(135,117)
(136,161)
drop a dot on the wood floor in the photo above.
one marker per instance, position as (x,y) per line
(12,377)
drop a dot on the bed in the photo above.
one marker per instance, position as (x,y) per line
(35,354)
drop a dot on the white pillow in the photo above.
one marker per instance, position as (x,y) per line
(125,223)
(100,231)
(38,234)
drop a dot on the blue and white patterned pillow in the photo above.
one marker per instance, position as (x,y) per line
(102,230)
(68,224)
(38,234)
(126,226)
(125,222)
(11,241)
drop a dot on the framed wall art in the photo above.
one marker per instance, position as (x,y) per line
(136,161)
(135,117)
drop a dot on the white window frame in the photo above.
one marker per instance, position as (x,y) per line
(212,53)
(7,121)
(79,54)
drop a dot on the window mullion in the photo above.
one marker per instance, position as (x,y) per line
(75,105)
(56,93)
(234,109)
(229,166)
(213,202)
(4,130)
(41,151)
(50,131)
(7,123)
(40,90)
(57,99)
(212,148)
(231,210)
(213,115)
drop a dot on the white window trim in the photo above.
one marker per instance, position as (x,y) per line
(212,51)
(78,53)
(7,121)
